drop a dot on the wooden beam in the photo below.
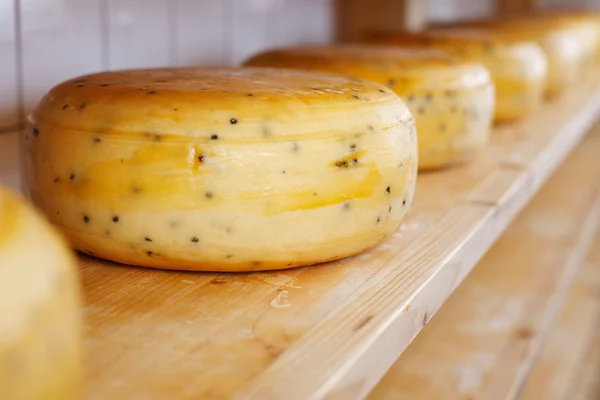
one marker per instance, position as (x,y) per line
(356,18)
(515,8)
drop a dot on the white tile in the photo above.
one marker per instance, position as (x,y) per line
(139,33)
(61,39)
(249,27)
(301,22)
(201,32)
(8,66)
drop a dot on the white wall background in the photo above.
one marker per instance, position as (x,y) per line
(43,42)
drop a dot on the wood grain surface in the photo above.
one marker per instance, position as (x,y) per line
(486,338)
(561,365)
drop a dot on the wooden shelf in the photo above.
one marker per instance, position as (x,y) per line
(486,338)
(565,355)
(330,330)
(324,331)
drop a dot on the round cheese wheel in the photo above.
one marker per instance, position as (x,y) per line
(453,100)
(229,169)
(584,24)
(40,325)
(567,48)
(518,68)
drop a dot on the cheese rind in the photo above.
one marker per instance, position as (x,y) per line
(568,47)
(518,67)
(230,169)
(453,100)
(40,354)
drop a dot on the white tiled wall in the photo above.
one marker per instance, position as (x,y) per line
(60,39)
(9,92)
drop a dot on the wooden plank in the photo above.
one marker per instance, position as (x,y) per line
(587,385)
(329,330)
(570,340)
(483,342)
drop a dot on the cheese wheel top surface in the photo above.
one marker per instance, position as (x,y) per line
(503,54)
(401,69)
(208,103)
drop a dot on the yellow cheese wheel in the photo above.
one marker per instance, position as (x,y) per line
(229,169)
(568,48)
(584,24)
(518,67)
(39,316)
(453,100)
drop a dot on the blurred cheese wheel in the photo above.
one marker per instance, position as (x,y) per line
(586,25)
(568,48)
(518,68)
(39,308)
(453,100)
(230,169)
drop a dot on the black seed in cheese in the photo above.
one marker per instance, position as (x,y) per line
(353,147)
(388,190)
(82,105)
(147,239)
(86,219)
(381,90)
(115,219)
(391,83)
(201,158)
(208,195)
(346,206)
(390,209)
(149,253)
(36,132)
(214,137)
(404,202)
(195,239)
(56,180)
(152,92)
(80,85)
(65,106)
(96,139)
(356,97)
(104,84)
(233,121)
(355,161)
(72,176)
(378,219)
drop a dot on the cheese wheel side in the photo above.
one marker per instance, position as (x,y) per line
(453,100)
(230,169)
(40,333)
(518,68)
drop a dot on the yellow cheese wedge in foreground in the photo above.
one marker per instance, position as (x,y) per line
(40,324)
(230,169)
(453,100)
(518,67)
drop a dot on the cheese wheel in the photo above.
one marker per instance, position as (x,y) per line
(584,24)
(39,299)
(229,169)
(453,101)
(518,68)
(567,48)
